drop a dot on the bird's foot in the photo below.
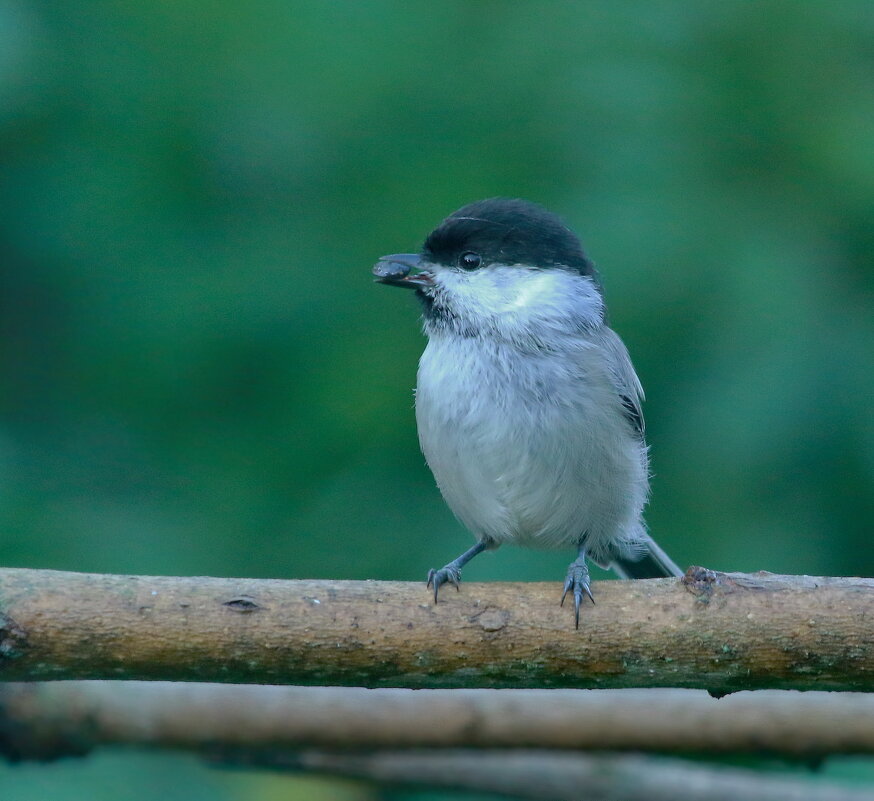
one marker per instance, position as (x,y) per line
(577,582)
(450,574)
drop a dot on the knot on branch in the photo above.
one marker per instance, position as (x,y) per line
(701,582)
(243,604)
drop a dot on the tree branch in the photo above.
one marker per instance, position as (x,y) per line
(715,631)
(46,720)
(566,777)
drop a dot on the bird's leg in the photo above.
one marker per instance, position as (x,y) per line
(577,581)
(451,573)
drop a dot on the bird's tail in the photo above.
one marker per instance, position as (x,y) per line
(650,561)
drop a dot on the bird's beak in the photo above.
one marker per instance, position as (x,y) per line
(395,270)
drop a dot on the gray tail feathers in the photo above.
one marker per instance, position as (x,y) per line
(649,562)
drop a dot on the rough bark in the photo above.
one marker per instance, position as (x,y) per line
(44,720)
(714,631)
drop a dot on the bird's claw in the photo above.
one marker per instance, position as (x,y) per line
(445,575)
(577,581)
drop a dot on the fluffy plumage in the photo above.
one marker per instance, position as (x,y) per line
(528,407)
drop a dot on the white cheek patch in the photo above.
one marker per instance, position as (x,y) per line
(534,291)
(501,289)
(517,301)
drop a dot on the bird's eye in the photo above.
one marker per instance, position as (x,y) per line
(469,260)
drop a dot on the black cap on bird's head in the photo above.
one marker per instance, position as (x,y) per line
(506,231)
(494,231)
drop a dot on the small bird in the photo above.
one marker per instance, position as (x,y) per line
(527,405)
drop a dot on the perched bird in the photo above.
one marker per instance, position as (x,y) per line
(527,405)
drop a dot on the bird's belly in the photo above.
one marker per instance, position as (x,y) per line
(539,459)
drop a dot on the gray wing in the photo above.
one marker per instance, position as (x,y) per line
(625,379)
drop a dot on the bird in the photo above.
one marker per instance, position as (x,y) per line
(527,405)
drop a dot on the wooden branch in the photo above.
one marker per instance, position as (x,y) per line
(715,631)
(566,776)
(43,720)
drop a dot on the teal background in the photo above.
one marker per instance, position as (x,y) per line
(200,377)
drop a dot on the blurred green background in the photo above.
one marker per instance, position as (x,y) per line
(201,378)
